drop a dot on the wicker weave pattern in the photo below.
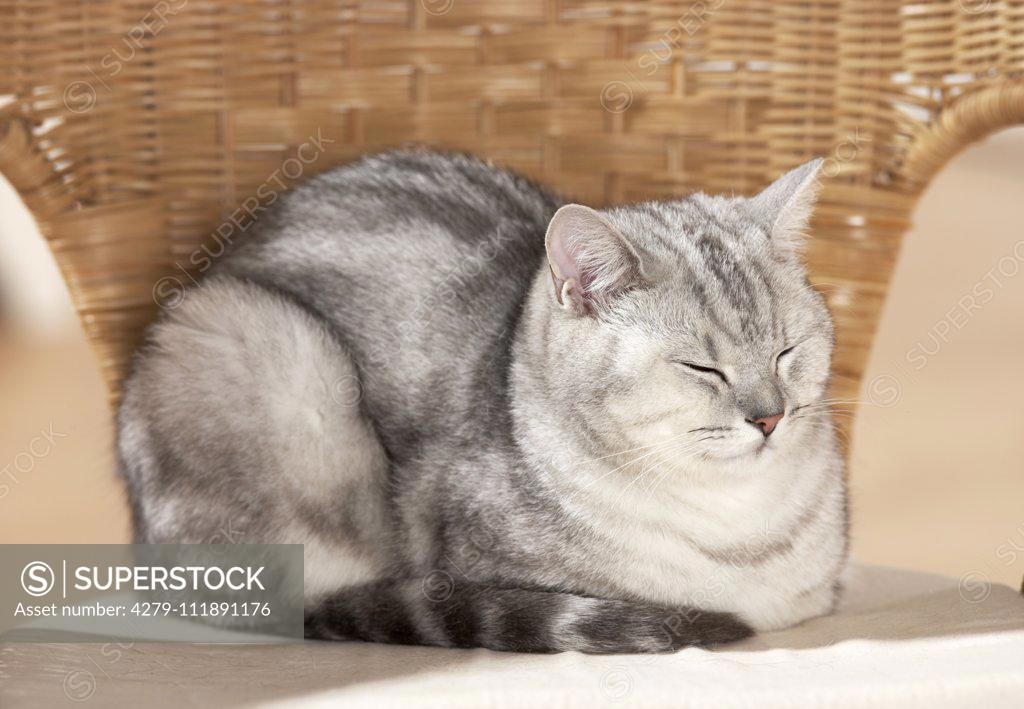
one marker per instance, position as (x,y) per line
(141,130)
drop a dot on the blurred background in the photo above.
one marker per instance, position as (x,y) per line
(937,476)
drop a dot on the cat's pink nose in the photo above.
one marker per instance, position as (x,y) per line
(767,424)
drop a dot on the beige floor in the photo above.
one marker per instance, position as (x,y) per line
(938,477)
(57,480)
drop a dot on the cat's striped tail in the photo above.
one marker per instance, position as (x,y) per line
(425,612)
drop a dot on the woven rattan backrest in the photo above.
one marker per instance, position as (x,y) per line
(138,131)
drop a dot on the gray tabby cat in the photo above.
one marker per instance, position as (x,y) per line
(614,444)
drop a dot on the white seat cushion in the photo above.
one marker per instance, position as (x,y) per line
(900,639)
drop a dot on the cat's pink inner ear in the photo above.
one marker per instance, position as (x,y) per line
(589,260)
(563,265)
(565,269)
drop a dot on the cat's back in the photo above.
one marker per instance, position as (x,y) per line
(419,260)
(457,193)
(401,204)
(402,229)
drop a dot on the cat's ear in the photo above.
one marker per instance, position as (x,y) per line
(785,206)
(590,261)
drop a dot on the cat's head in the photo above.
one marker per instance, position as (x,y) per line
(690,323)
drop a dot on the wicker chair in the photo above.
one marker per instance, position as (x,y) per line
(139,132)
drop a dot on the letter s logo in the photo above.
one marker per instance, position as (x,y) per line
(37,578)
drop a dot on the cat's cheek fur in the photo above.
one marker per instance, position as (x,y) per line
(654,401)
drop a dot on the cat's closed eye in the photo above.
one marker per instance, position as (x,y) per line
(702,369)
(782,355)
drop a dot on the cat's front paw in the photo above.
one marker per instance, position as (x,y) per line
(621,627)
